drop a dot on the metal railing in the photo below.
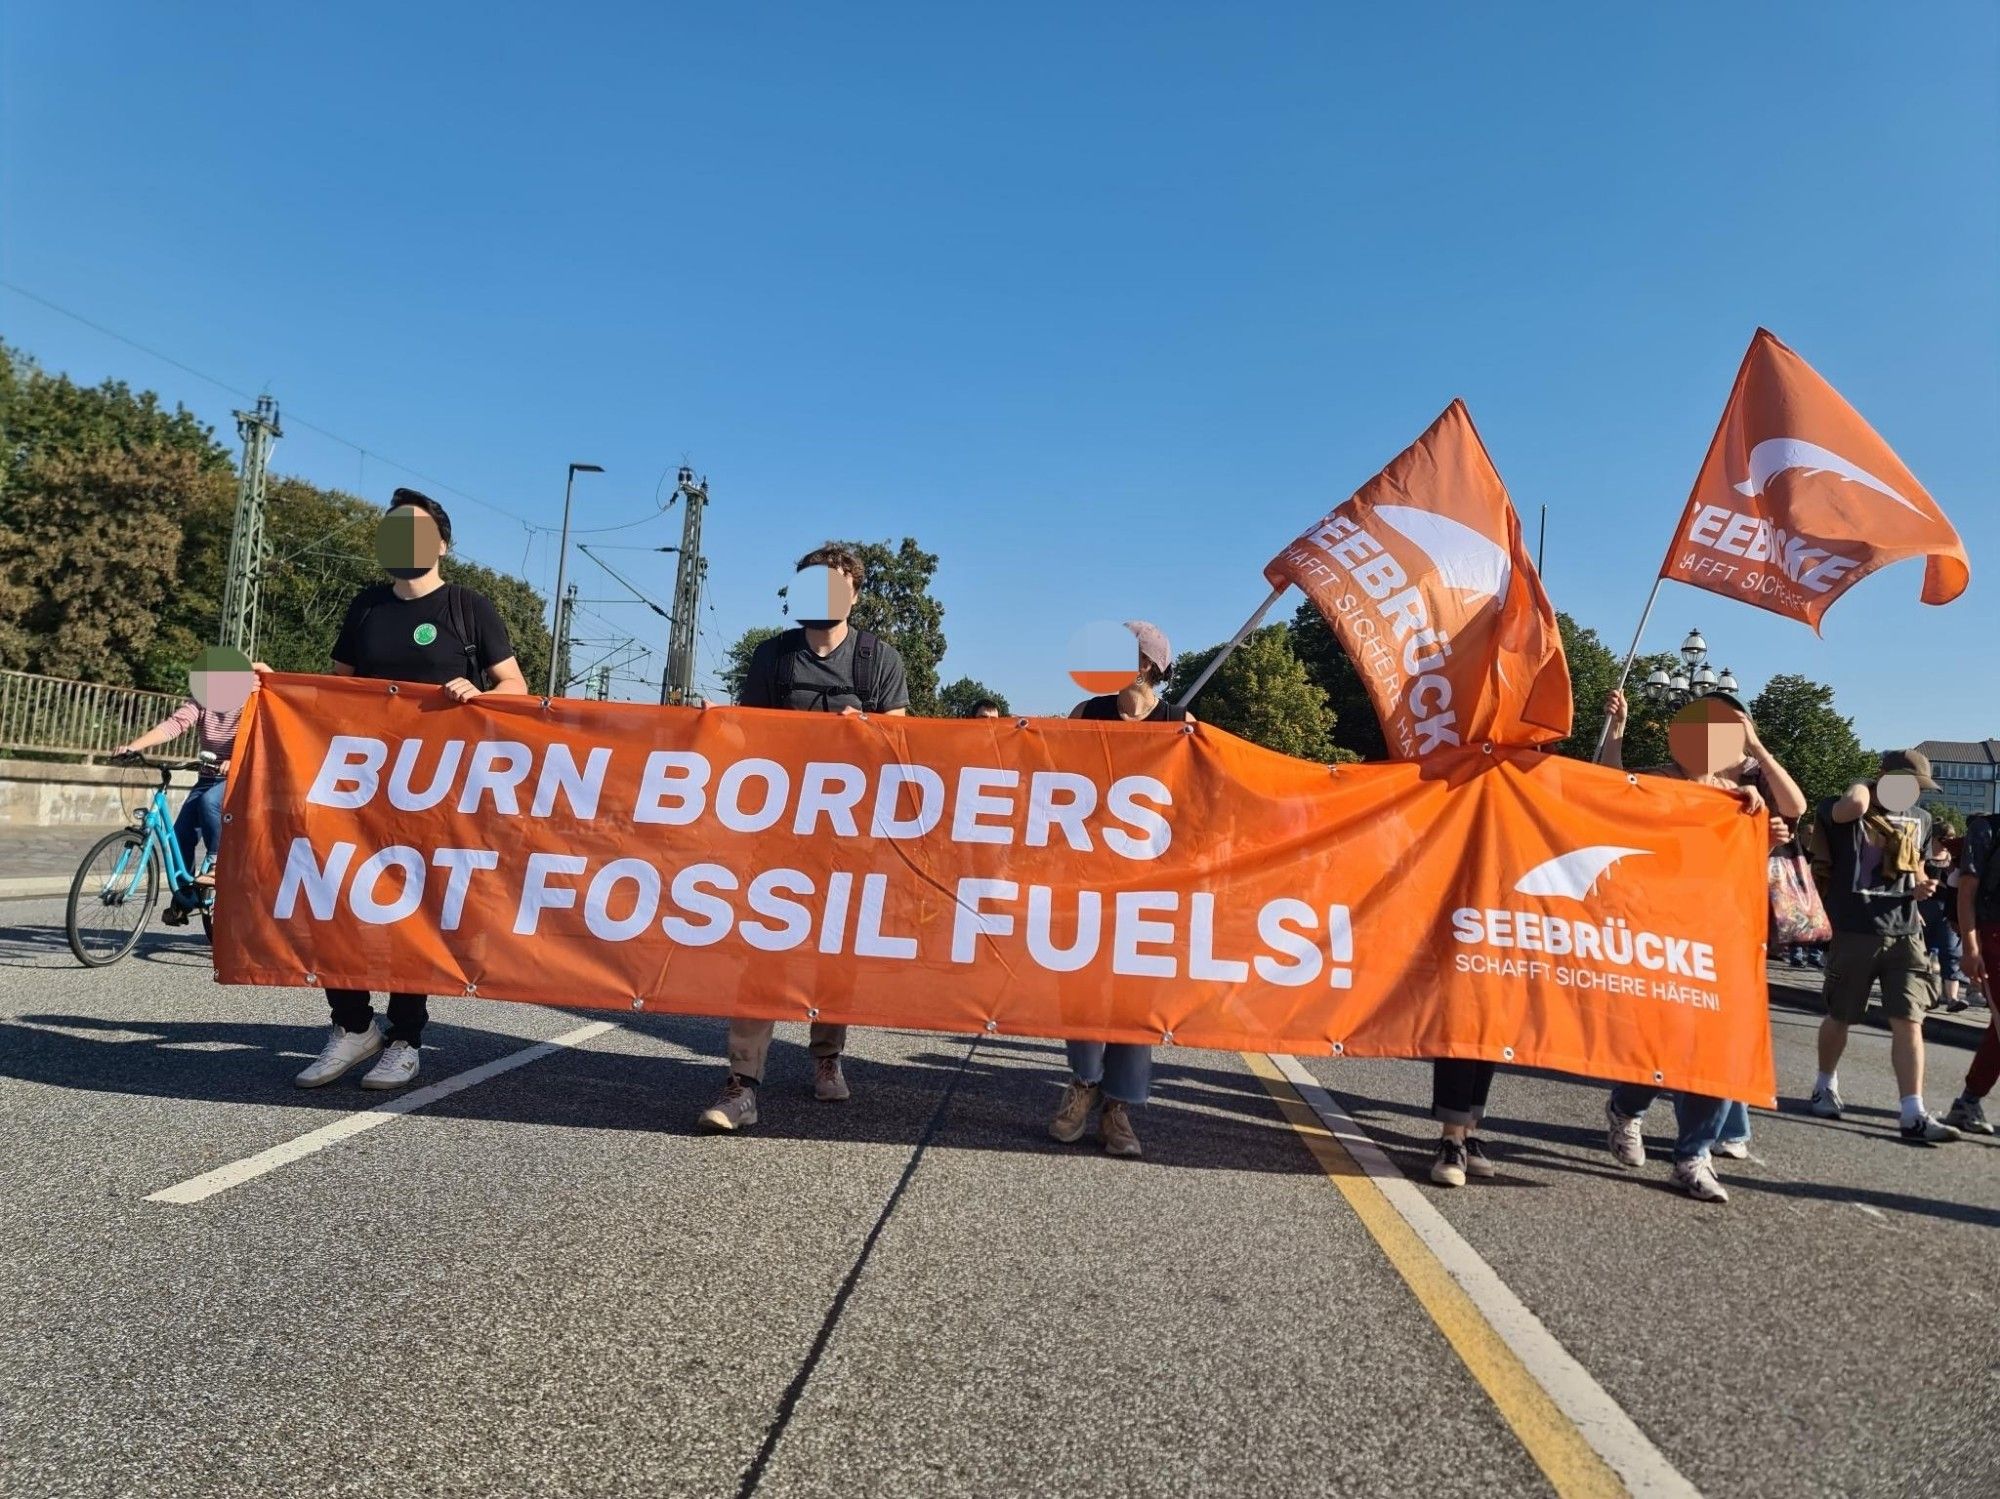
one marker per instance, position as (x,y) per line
(50,715)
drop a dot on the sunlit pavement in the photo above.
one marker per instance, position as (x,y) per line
(547,1284)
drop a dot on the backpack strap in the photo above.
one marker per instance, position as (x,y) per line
(868,671)
(783,678)
(464,622)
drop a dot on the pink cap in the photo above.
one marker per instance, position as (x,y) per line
(1152,643)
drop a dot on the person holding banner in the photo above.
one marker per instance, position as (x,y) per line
(822,666)
(1979,928)
(1115,1077)
(1714,743)
(1877,834)
(416,628)
(1458,1102)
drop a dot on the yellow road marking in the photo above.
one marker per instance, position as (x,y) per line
(1550,1437)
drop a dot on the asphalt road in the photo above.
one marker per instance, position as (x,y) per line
(547,1284)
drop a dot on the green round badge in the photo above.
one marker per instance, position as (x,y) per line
(424,633)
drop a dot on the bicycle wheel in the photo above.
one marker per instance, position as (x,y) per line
(111,898)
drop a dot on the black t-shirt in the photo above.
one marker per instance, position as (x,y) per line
(1859,898)
(1106,708)
(821,684)
(412,640)
(1982,847)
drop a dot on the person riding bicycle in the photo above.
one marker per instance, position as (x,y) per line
(218,687)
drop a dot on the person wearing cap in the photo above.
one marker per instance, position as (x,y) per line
(1877,834)
(1116,1077)
(1705,1126)
(414,628)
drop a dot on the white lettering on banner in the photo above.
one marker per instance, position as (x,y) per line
(581,788)
(679,774)
(1755,539)
(974,802)
(403,796)
(767,897)
(361,895)
(1131,927)
(869,939)
(1610,941)
(498,767)
(1150,833)
(970,922)
(318,883)
(831,790)
(1041,930)
(694,893)
(538,895)
(458,864)
(349,772)
(928,785)
(729,809)
(645,881)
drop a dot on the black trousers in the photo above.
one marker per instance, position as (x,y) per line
(1459,1089)
(407,1013)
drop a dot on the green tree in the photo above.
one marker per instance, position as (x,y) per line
(895,603)
(1797,722)
(90,558)
(42,413)
(1947,817)
(1264,693)
(1593,672)
(956,699)
(737,665)
(1356,729)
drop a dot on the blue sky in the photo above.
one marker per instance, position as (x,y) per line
(1102,304)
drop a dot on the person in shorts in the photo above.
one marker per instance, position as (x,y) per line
(1877,835)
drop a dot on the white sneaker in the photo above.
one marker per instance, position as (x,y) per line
(343,1050)
(1735,1150)
(397,1069)
(1697,1179)
(1623,1134)
(735,1109)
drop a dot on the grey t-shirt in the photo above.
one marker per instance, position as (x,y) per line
(1858,897)
(821,684)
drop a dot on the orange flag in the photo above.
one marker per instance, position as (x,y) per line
(1423,579)
(1799,499)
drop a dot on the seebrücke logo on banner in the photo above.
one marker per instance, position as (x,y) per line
(1774,455)
(1601,953)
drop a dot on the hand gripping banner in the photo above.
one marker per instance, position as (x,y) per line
(1124,882)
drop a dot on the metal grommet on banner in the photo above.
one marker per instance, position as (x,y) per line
(471,989)
(813,1013)
(1659,1077)
(227,818)
(312,978)
(1340,1048)
(1166,1038)
(1020,723)
(394,689)
(1485,749)
(1631,780)
(1187,728)
(992,1026)
(1506,1053)
(545,705)
(638,1002)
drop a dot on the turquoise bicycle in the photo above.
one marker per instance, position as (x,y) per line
(117,885)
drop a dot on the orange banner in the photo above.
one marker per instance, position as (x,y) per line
(1799,500)
(1422,577)
(1126,882)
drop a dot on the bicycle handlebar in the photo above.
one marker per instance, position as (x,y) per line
(166,768)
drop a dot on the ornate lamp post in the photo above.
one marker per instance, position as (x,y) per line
(1696,679)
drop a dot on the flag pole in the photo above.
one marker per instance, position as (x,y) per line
(1235,640)
(1632,655)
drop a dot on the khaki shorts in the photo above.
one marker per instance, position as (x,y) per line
(1855,960)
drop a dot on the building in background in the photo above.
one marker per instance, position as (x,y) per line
(1968,773)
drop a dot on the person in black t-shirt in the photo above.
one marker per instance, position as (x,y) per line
(417,628)
(1118,1075)
(823,666)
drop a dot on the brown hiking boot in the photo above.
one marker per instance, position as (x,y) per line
(1114,1128)
(829,1086)
(1073,1115)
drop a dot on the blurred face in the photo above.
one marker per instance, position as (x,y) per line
(221,679)
(407,543)
(821,597)
(1897,791)
(1706,738)
(987,713)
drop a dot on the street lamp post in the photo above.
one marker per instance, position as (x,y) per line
(1696,679)
(562,573)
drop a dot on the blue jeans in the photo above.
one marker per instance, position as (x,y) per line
(1735,1124)
(1125,1068)
(1699,1117)
(200,817)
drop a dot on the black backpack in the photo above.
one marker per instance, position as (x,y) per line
(459,614)
(867,667)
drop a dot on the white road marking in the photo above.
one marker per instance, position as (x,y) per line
(1870,1211)
(1612,1434)
(222,1178)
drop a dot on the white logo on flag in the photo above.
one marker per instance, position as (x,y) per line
(1575,874)
(1774,455)
(1463,558)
